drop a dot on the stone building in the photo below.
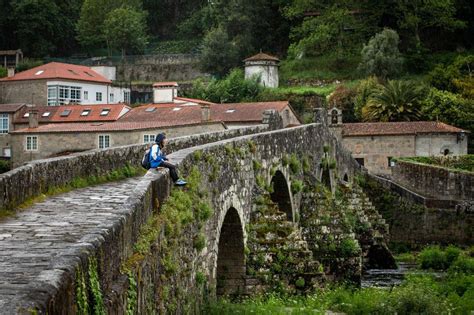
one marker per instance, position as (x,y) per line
(60,84)
(8,114)
(373,145)
(264,66)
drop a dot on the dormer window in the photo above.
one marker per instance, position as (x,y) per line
(73,72)
(46,114)
(39,72)
(105,112)
(65,113)
(86,112)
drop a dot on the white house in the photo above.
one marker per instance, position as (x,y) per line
(264,66)
(60,84)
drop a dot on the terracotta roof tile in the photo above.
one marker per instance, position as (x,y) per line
(57,114)
(57,70)
(397,128)
(262,56)
(11,108)
(245,112)
(101,127)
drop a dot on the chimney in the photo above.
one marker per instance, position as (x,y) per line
(11,71)
(205,113)
(33,118)
(164,92)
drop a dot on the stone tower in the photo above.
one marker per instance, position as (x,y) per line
(265,66)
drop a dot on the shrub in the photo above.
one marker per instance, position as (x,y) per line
(364,91)
(455,77)
(343,98)
(463,264)
(450,108)
(3,72)
(433,258)
(296,186)
(350,247)
(381,56)
(218,54)
(199,242)
(4,166)
(295,164)
(28,64)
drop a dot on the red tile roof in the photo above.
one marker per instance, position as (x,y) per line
(167,113)
(101,127)
(193,100)
(162,84)
(246,112)
(56,113)
(57,70)
(236,112)
(11,108)
(262,56)
(397,128)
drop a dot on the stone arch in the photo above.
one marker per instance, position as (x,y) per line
(345,178)
(230,255)
(281,194)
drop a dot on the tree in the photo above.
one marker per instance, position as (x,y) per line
(124,29)
(396,101)
(381,57)
(90,26)
(218,54)
(38,26)
(415,16)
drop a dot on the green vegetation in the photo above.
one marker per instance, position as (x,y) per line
(132,295)
(4,166)
(3,72)
(89,299)
(417,295)
(462,162)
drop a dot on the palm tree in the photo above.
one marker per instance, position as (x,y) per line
(397,101)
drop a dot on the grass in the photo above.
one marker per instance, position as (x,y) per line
(324,90)
(326,68)
(458,163)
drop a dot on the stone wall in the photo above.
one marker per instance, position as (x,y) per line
(153,68)
(35,178)
(434,181)
(376,150)
(416,220)
(32,91)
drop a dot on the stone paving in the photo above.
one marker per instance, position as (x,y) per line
(40,242)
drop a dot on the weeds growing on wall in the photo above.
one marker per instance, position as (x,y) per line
(185,209)
(89,299)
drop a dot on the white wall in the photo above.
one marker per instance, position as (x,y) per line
(164,95)
(268,73)
(435,144)
(92,89)
(107,71)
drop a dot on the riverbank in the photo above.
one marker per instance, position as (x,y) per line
(443,283)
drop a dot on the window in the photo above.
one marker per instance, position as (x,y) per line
(230,111)
(150,109)
(360,161)
(39,72)
(390,162)
(26,115)
(98,96)
(46,114)
(148,138)
(86,95)
(65,113)
(111,97)
(105,112)
(31,143)
(4,123)
(63,94)
(53,95)
(104,141)
(86,112)
(126,97)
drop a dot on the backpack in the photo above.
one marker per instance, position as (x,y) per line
(146,160)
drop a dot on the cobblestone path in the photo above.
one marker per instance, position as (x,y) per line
(40,242)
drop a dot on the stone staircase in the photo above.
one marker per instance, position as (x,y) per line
(278,256)
(345,232)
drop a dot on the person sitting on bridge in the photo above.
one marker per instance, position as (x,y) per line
(159,159)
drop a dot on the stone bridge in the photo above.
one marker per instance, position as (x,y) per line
(141,246)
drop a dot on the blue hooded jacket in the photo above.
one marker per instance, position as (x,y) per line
(156,155)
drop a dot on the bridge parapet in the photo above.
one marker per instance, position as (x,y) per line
(37,177)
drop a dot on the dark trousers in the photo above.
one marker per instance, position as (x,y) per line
(172,168)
